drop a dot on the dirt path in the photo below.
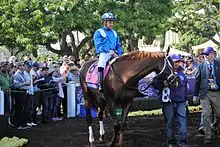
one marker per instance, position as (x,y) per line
(140,132)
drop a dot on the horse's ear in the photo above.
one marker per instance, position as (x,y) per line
(168,50)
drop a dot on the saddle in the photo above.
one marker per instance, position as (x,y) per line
(92,74)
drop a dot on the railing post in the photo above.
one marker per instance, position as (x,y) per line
(71,99)
(2,103)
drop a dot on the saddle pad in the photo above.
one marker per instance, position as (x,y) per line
(92,74)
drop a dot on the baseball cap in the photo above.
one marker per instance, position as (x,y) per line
(36,64)
(176,57)
(207,51)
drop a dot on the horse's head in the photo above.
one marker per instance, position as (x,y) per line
(165,73)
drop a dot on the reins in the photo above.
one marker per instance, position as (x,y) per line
(119,79)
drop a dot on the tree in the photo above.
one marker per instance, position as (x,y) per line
(196,20)
(141,18)
(29,23)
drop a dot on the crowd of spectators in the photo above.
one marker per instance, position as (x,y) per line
(35,91)
(190,63)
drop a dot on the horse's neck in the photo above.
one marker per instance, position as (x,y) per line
(131,71)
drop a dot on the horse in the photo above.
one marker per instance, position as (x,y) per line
(120,88)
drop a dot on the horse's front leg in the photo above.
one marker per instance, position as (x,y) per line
(116,125)
(89,123)
(101,124)
(116,131)
(123,124)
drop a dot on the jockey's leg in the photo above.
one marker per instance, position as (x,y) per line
(123,124)
(100,78)
(103,59)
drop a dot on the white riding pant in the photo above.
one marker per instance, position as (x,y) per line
(103,59)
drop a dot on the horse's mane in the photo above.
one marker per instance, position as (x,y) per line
(141,55)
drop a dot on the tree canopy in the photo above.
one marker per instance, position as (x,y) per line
(25,24)
(196,21)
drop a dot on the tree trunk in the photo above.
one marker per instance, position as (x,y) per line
(132,44)
(49,48)
(68,50)
(80,46)
(162,44)
(65,49)
(88,50)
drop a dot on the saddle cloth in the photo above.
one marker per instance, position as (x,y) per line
(92,75)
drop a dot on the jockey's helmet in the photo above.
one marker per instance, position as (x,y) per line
(109,16)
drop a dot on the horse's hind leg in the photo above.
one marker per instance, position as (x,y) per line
(102,106)
(89,121)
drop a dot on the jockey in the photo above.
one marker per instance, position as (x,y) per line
(107,45)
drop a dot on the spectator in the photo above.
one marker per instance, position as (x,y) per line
(12,69)
(37,92)
(65,67)
(207,90)
(30,94)
(77,63)
(50,62)
(86,58)
(47,99)
(12,59)
(73,74)
(190,70)
(5,84)
(57,95)
(71,59)
(22,85)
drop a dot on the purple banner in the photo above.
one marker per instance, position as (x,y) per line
(153,93)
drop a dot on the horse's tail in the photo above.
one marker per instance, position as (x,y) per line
(82,78)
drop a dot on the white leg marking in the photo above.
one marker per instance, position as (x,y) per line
(101,131)
(91,137)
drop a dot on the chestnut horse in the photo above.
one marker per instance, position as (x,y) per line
(120,88)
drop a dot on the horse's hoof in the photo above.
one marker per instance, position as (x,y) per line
(101,138)
(92,144)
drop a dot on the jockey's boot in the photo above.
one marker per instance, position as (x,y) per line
(100,78)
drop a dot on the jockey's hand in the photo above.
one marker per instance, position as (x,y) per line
(196,100)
